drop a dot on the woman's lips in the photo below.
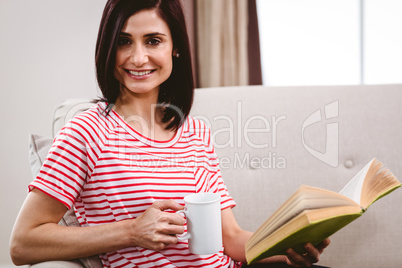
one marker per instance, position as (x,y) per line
(139,74)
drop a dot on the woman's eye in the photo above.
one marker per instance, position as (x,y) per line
(123,42)
(153,42)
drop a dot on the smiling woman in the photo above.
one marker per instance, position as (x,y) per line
(144,53)
(144,61)
(169,29)
(126,164)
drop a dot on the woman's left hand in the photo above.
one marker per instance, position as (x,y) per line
(307,259)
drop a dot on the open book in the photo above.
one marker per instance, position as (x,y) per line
(312,214)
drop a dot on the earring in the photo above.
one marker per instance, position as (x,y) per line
(177,55)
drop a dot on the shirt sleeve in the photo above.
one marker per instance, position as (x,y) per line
(67,164)
(208,175)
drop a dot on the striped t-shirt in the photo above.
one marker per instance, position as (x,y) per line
(110,172)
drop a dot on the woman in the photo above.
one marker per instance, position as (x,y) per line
(126,164)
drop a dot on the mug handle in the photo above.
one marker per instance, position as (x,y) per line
(186,236)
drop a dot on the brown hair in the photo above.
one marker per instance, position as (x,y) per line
(176,93)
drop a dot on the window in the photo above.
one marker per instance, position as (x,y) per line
(383,41)
(330,42)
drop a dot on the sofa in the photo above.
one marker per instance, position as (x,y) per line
(271,140)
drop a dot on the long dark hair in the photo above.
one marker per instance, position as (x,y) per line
(176,93)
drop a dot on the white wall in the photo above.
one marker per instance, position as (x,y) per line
(46,55)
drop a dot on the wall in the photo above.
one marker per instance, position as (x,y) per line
(47,55)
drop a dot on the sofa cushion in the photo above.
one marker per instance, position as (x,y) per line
(38,148)
(67,110)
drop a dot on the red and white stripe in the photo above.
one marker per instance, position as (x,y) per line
(110,172)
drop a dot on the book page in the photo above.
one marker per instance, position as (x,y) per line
(353,188)
(309,226)
(303,203)
(306,197)
(379,182)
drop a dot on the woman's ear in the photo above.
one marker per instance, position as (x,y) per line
(175,53)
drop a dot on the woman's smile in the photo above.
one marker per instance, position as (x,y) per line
(139,74)
(144,55)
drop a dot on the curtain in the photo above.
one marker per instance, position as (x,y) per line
(189,10)
(221,42)
(254,55)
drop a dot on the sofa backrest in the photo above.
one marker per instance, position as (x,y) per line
(270,140)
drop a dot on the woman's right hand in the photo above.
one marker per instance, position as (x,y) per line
(156,229)
(37,237)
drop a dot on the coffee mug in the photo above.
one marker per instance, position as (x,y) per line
(204,228)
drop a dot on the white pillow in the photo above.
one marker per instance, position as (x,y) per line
(38,149)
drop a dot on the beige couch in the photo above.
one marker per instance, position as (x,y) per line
(272,140)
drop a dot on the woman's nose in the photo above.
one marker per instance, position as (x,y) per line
(139,56)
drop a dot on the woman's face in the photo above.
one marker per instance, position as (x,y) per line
(144,53)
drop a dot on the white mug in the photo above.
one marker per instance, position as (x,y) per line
(204,228)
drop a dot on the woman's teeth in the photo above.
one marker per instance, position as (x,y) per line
(139,73)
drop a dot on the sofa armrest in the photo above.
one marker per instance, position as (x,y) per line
(58,264)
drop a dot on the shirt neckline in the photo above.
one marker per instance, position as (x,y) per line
(142,138)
